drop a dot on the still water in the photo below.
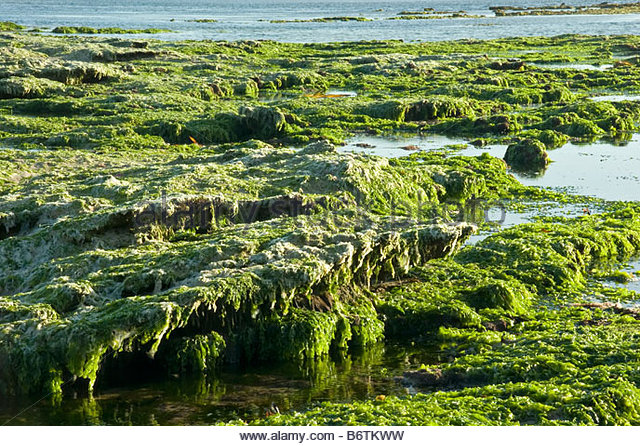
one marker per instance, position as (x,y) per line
(235,392)
(606,170)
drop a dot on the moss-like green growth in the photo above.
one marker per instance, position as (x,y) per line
(179,89)
(564,9)
(527,155)
(517,359)
(605,400)
(113,30)
(28,87)
(199,353)
(426,15)
(10,26)
(170,201)
(155,252)
(499,273)
(325,19)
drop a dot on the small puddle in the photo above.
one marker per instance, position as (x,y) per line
(632,268)
(342,93)
(273,96)
(500,217)
(615,98)
(572,66)
(395,147)
(332,94)
(624,57)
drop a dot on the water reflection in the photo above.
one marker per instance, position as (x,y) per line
(607,170)
(234,393)
(331,93)
(616,98)
(395,147)
(571,66)
(497,218)
(632,270)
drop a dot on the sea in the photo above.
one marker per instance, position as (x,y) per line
(251,20)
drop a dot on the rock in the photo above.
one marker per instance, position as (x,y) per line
(318,147)
(28,87)
(263,122)
(439,107)
(508,65)
(528,155)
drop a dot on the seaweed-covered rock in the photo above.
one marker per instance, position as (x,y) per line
(247,88)
(507,65)
(552,139)
(239,297)
(125,241)
(393,110)
(434,108)
(28,87)
(109,53)
(112,30)
(262,122)
(427,109)
(77,73)
(528,155)
(111,275)
(10,26)
(199,353)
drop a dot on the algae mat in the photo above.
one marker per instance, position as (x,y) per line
(157,214)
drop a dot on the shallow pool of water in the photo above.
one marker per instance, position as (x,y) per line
(601,169)
(616,98)
(501,217)
(332,93)
(341,93)
(395,147)
(235,393)
(572,66)
(632,268)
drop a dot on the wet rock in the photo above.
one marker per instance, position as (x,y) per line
(393,110)
(527,155)
(228,292)
(263,122)
(435,108)
(10,26)
(28,87)
(76,72)
(507,65)
(318,148)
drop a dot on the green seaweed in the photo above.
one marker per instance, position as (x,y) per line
(177,204)
(113,30)
(10,26)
